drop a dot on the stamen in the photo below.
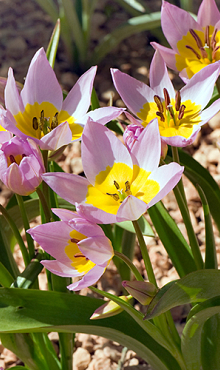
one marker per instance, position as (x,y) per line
(23,155)
(116,185)
(213,40)
(12,158)
(177,101)
(166,97)
(159,114)
(114,196)
(35,123)
(181,111)
(54,122)
(41,120)
(196,38)
(127,188)
(159,103)
(194,51)
(203,53)
(207,41)
(79,255)
(170,109)
(214,52)
(73,240)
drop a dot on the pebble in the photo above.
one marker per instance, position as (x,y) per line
(81,359)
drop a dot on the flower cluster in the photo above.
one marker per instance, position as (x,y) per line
(122,179)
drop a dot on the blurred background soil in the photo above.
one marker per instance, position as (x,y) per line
(24,28)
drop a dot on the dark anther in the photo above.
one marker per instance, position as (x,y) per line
(159,114)
(24,155)
(166,97)
(35,123)
(73,240)
(214,52)
(79,255)
(116,185)
(12,158)
(114,196)
(194,51)
(54,122)
(177,101)
(213,40)
(159,103)
(181,111)
(207,41)
(196,38)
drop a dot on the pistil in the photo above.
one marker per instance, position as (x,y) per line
(121,195)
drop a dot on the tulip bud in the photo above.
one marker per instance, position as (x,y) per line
(21,165)
(131,135)
(109,309)
(141,290)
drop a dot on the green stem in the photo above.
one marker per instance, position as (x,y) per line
(44,204)
(218,85)
(130,265)
(66,350)
(17,235)
(182,203)
(145,255)
(30,241)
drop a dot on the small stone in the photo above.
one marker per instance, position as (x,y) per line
(112,353)
(81,359)
(9,357)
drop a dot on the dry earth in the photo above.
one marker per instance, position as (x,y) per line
(24,28)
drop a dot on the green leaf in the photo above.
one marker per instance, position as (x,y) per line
(53,44)
(172,239)
(143,223)
(197,335)
(50,8)
(197,174)
(134,25)
(193,288)
(24,310)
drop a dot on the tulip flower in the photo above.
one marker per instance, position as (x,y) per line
(120,185)
(109,309)
(195,44)
(180,115)
(39,111)
(21,165)
(80,248)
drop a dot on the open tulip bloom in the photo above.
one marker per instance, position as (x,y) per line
(80,248)
(21,165)
(195,44)
(39,111)
(180,115)
(120,185)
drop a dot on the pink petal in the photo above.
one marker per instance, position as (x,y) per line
(64,214)
(101,148)
(102,115)
(159,78)
(70,187)
(133,120)
(176,23)
(60,269)
(5,136)
(134,93)
(200,87)
(208,14)
(97,249)
(131,209)
(146,151)
(86,227)
(58,137)
(210,112)
(41,84)
(167,176)
(167,54)
(78,100)
(13,101)
(94,214)
(53,238)
(89,279)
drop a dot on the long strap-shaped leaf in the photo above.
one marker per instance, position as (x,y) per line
(33,311)
(172,239)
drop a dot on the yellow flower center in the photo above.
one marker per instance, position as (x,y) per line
(116,183)
(15,159)
(197,49)
(79,261)
(38,120)
(174,117)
